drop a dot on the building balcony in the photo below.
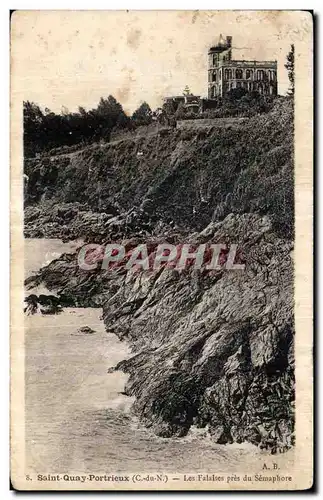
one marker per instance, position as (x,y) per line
(253,63)
(258,80)
(244,64)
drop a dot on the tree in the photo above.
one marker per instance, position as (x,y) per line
(112,111)
(64,110)
(290,60)
(169,107)
(33,128)
(143,115)
(44,131)
(180,112)
(82,111)
(236,94)
(32,113)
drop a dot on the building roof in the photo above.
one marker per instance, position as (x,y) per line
(223,44)
(171,97)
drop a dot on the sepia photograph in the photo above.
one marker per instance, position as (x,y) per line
(161,227)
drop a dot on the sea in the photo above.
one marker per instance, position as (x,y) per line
(76,418)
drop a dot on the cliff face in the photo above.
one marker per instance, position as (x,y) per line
(209,349)
(214,350)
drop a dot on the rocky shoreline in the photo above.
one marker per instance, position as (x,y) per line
(215,350)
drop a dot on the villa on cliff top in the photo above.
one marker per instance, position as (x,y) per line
(226,73)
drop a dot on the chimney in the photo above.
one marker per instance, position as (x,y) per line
(221,41)
(229,41)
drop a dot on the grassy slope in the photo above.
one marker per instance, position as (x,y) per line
(187,176)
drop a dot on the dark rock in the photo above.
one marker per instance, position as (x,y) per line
(86,329)
(44,304)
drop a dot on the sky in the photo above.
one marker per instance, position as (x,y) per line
(73,58)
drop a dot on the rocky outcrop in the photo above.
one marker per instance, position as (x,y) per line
(217,351)
(211,349)
(45,304)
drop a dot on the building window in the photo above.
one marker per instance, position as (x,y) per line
(214,76)
(271,75)
(239,74)
(260,88)
(228,74)
(238,85)
(260,74)
(215,59)
(249,74)
(250,86)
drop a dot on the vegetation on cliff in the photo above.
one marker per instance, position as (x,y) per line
(44,129)
(181,177)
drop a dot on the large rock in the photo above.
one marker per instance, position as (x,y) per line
(214,350)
